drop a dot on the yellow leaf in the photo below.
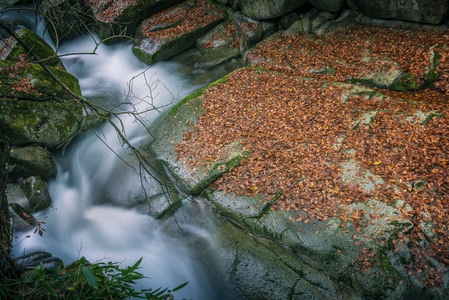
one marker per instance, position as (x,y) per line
(377,162)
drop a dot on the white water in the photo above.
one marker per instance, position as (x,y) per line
(82,221)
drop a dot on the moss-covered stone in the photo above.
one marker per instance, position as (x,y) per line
(266,9)
(35,108)
(31,161)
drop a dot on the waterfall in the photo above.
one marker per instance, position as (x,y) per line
(91,171)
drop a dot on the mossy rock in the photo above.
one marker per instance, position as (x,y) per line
(46,123)
(35,108)
(115,19)
(169,132)
(31,161)
(31,81)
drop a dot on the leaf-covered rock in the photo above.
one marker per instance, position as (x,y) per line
(30,161)
(338,172)
(175,30)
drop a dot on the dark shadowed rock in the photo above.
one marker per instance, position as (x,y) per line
(424,11)
(31,161)
(266,9)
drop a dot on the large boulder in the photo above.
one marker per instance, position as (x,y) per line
(266,9)
(355,209)
(36,109)
(423,11)
(175,30)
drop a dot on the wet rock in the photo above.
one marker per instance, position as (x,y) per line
(254,267)
(175,30)
(23,219)
(31,161)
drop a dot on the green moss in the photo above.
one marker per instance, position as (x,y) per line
(405,83)
(430,117)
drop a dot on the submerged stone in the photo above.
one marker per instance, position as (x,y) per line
(354,244)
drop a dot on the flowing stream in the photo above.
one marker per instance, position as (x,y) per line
(85,219)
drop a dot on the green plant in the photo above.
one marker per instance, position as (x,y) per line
(83,280)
